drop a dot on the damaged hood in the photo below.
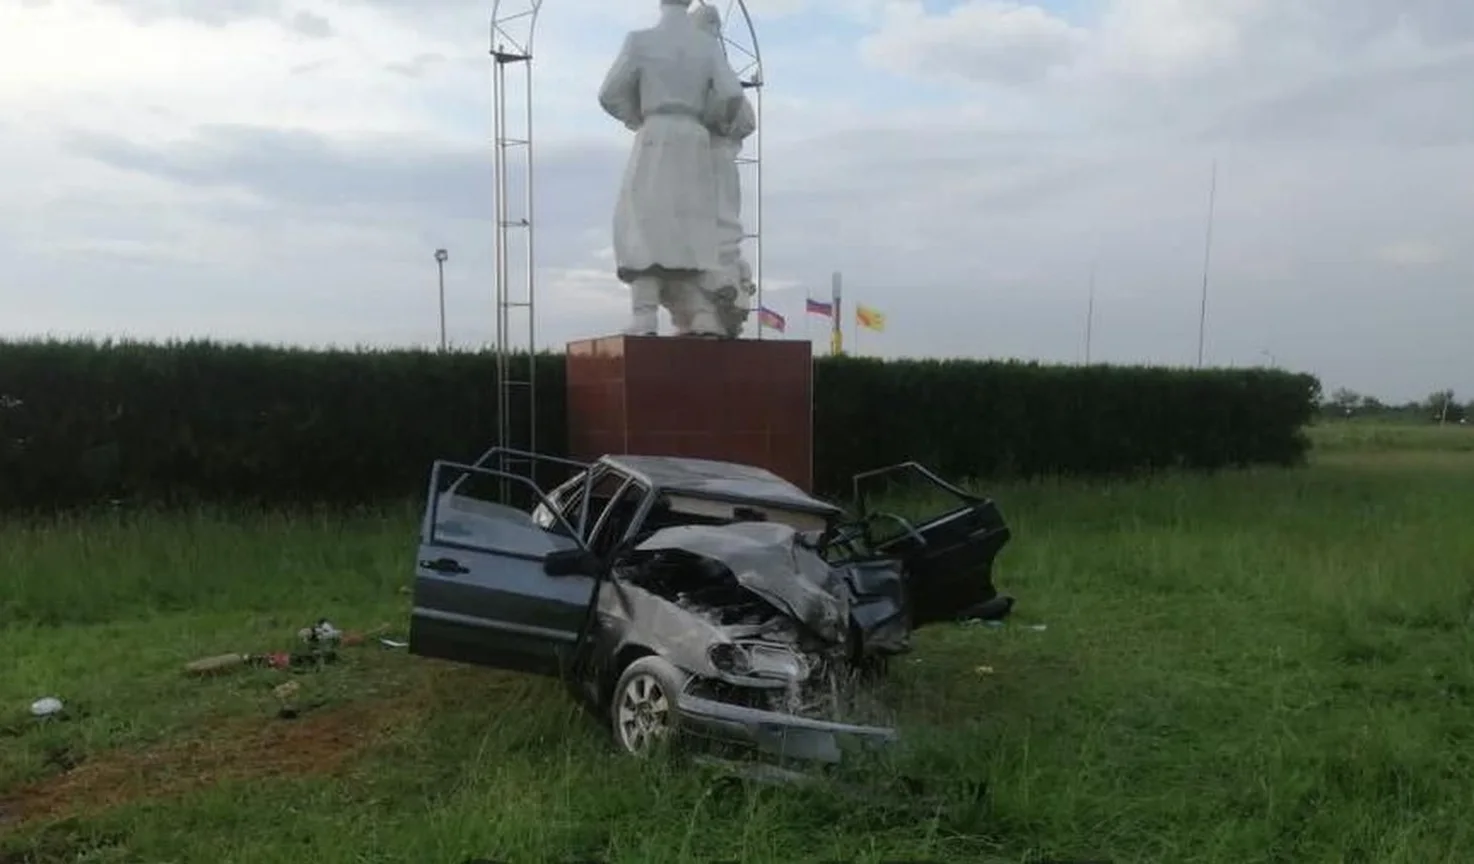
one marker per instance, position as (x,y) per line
(770,560)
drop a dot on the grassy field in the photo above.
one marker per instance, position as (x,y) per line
(1261,666)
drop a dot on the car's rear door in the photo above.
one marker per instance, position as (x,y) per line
(949,561)
(948,557)
(480,592)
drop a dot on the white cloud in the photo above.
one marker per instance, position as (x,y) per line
(1166,37)
(88,64)
(996,41)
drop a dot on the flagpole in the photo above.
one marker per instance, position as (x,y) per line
(836,330)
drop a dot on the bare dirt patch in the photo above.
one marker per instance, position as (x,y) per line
(319,742)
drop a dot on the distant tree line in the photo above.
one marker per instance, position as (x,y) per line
(1440,406)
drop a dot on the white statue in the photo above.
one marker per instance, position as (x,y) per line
(730,285)
(667,83)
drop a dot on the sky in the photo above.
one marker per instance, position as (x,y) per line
(283,170)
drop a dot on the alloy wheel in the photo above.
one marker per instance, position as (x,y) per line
(642,714)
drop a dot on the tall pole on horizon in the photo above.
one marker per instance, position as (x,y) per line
(1090,314)
(836,332)
(1207,258)
(440,256)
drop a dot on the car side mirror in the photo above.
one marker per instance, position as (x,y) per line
(571,562)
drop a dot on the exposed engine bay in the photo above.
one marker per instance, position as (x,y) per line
(764,654)
(707,588)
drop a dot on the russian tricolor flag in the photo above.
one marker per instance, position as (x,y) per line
(772,320)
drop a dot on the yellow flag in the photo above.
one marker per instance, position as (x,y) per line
(868,318)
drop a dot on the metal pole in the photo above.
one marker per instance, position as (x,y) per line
(1090,315)
(1207,257)
(499,122)
(440,256)
(531,286)
(836,325)
(503,214)
(758,204)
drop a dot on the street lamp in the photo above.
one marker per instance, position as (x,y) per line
(440,256)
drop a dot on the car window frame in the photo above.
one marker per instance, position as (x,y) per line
(432,530)
(642,504)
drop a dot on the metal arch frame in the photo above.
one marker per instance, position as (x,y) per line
(750,73)
(512,32)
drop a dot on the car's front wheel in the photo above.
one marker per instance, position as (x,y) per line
(643,710)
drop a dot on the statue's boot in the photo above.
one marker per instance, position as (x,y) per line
(644,307)
(702,307)
(705,323)
(674,298)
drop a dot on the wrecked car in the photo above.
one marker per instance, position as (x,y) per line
(688,595)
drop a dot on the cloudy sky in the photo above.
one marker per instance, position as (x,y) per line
(283,170)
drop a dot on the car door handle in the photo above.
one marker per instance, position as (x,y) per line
(445,565)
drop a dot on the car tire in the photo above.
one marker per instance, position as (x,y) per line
(642,711)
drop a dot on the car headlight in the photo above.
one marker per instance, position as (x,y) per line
(758,660)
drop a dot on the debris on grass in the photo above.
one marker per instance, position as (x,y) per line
(323,632)
(285,692)
(47,706)
(322,640)
(42,713)
(217,663)
(978,622)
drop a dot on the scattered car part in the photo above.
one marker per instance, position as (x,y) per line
(323,632)
(47,706)
(217,663)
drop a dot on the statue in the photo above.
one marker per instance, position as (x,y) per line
(730,285)
(667,84)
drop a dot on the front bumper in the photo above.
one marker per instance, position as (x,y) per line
(786,735)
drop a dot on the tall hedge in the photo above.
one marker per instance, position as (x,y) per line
(968,418)
(84,423)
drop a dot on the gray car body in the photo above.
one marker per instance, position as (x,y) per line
(483,592)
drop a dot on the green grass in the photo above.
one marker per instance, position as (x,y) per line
(1391,436)
(1261,666)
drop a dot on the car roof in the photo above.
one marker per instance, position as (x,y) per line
(711,478)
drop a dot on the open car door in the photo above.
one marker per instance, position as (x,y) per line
(948,557)
(481,592)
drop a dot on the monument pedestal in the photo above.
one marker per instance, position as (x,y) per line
(739,400)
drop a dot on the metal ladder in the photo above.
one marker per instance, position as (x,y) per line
(516,330)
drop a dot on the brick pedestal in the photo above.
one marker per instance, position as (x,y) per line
(743,400)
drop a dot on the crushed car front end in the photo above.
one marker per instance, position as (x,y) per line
(722,717)
(759,633)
